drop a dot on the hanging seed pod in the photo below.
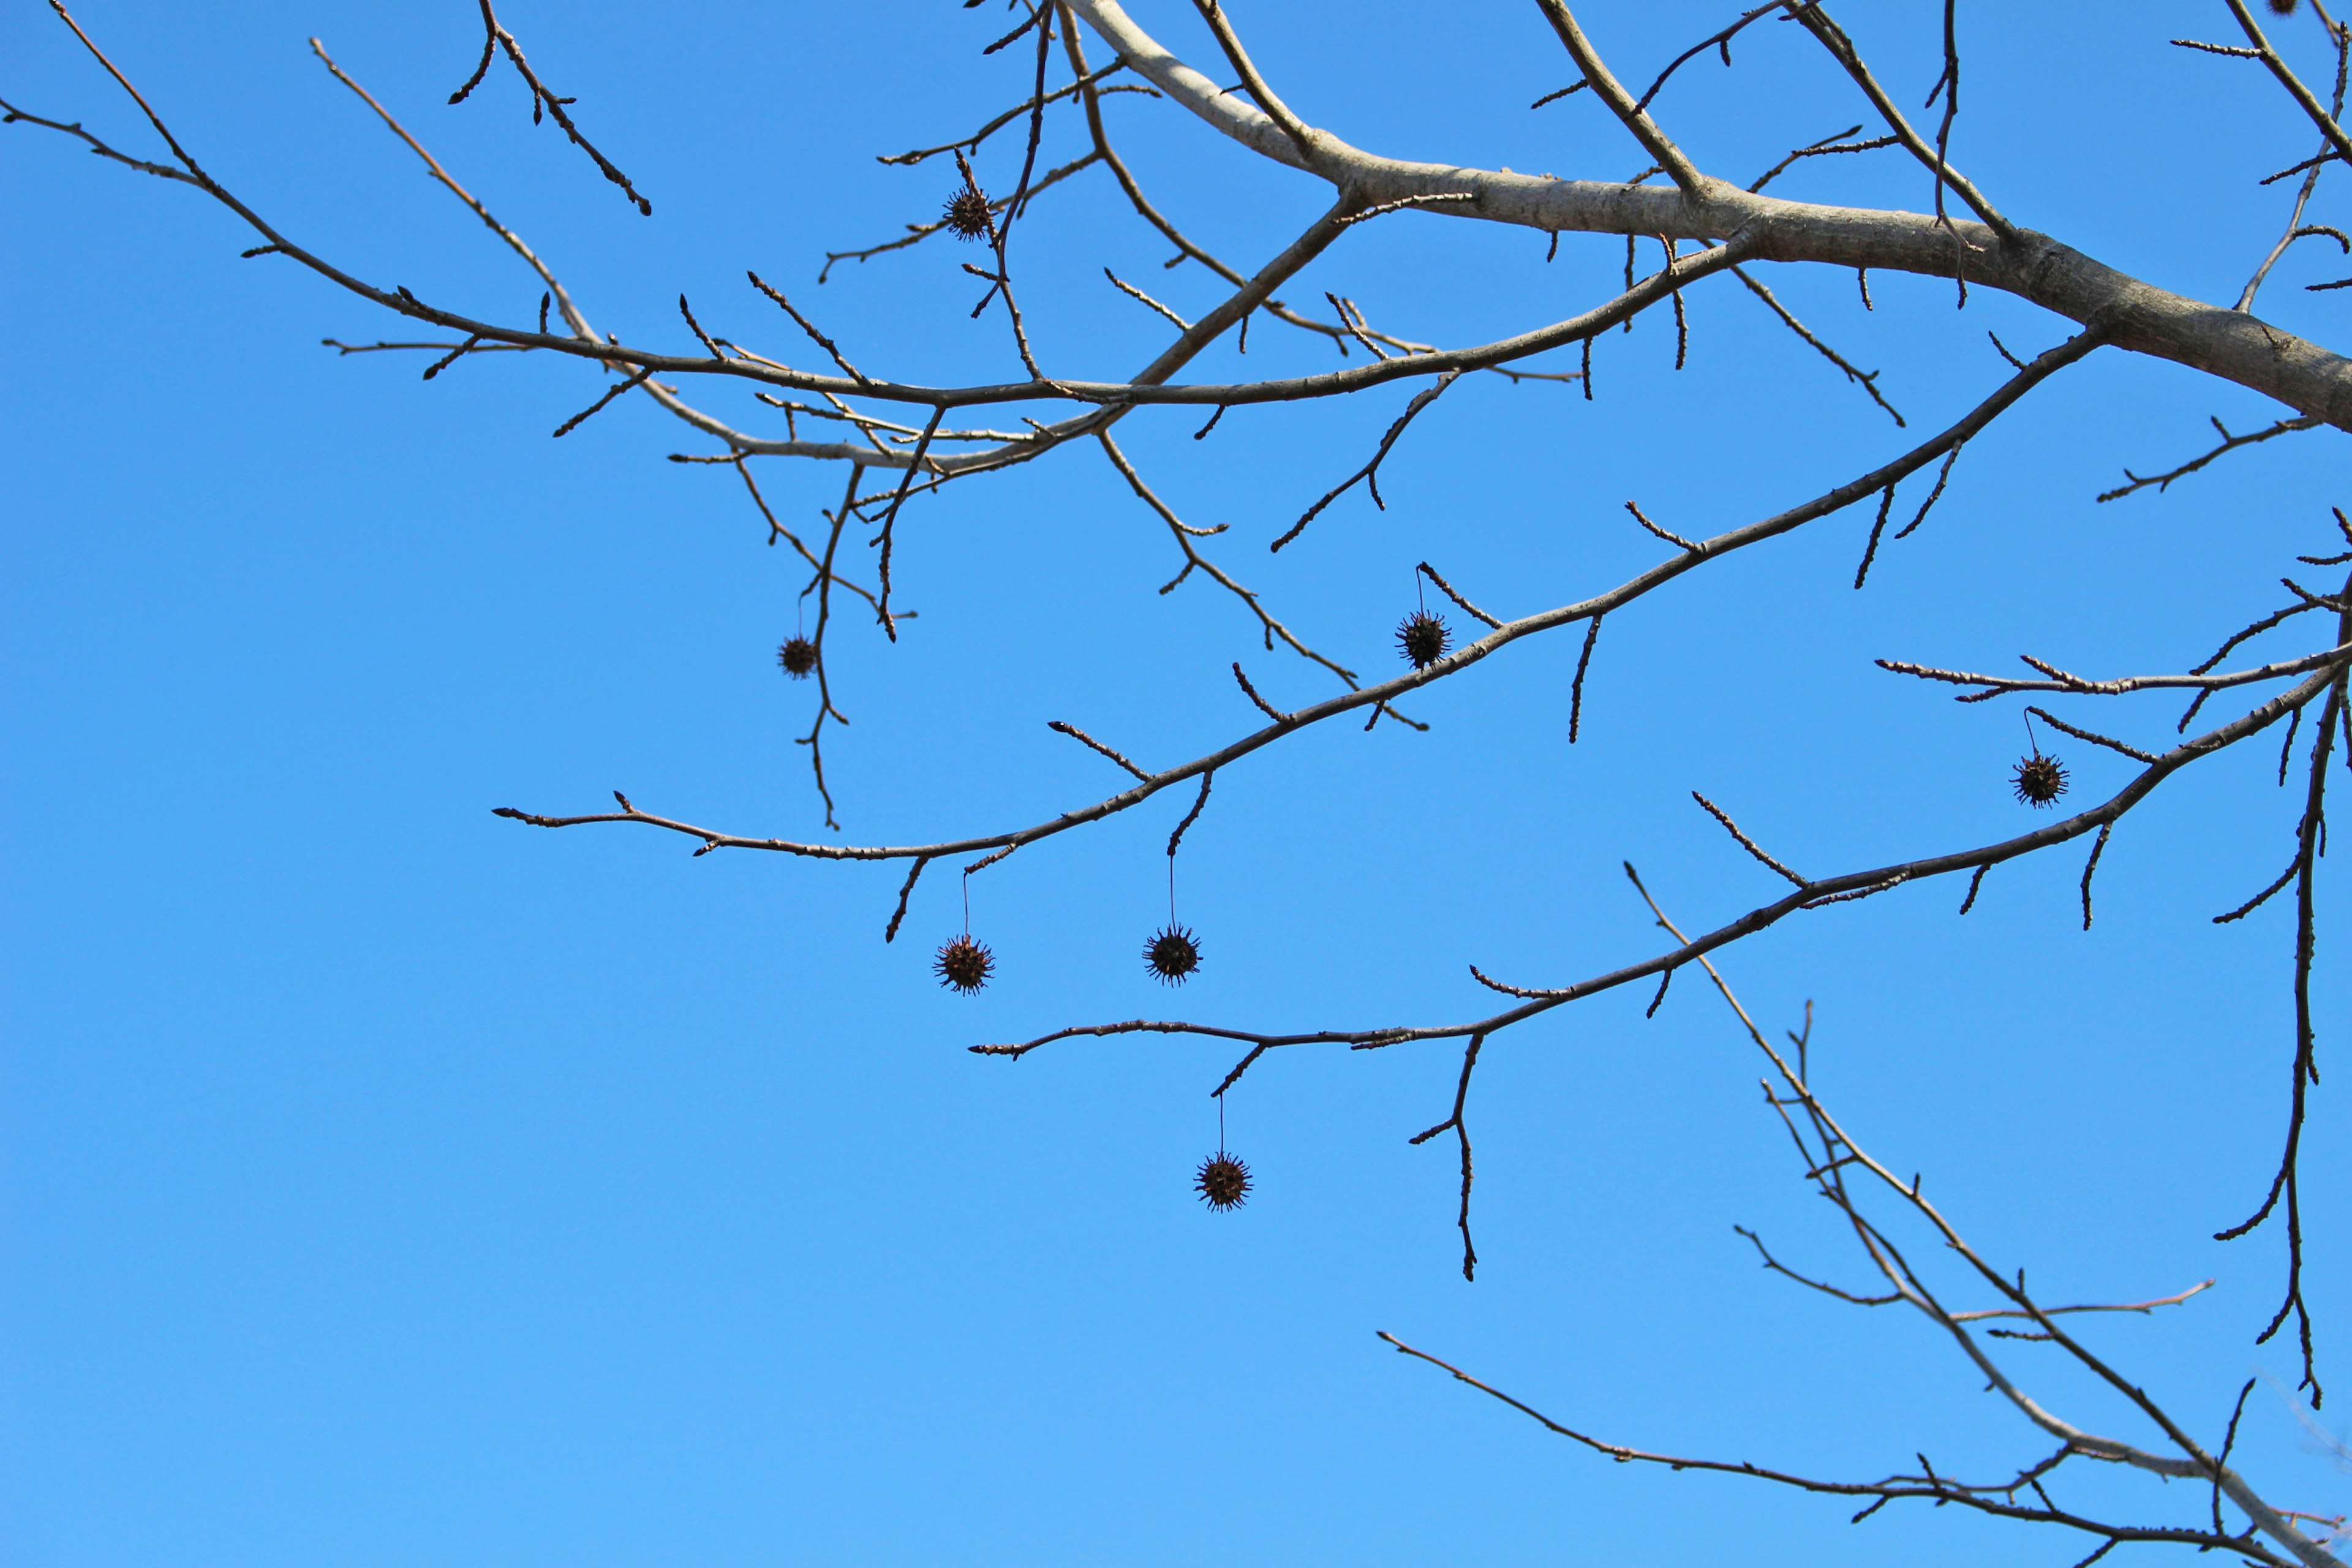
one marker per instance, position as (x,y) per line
(2282,8)
(798,656)
(967,213)
(1422,638)
(2040,780)
(1222,1181)
(1173,954)
(964,965)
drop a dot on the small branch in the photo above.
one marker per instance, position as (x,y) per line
(2076,685)
(1576,691)
(2229,444)
(1369,472)
(1447,588)
(1867,379)
(1461,1131)
(809,327)
(1748,843)
(2134,753)
(1192,816)
(1132,292)
(544,101)
(1676,540)
(1082,737)
(596,407)
(1404,202)
(1268,709)
(906,889)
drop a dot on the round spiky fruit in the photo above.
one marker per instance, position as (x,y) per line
(964,965)
(1223,1182)
(1422,638)
(967,213)
(1173,954)
(2282,8)
(798,656)
(2040,780)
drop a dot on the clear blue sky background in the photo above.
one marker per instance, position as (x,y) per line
(388,1184)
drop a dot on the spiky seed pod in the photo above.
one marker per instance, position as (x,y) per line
(1223,1182)
(967,213)
(2282,7)
(798,656)
(2040,780)
(1422,638)
(1173,954)
(964,965)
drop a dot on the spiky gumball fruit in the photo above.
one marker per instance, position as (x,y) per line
(2282,8)
(1422,638)
(964,965)
(1223,1182)
(798,656)
(1173,954)
(967,213)
(2040,780)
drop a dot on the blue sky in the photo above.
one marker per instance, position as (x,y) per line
(390,1184)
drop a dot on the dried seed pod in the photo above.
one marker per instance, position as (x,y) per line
(1173,954)
(967,213)
(1223,1182)
(798,656)
(964,965)
(1422,638)
(2282,8)
(2040,780)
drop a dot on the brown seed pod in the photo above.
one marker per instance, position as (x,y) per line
(2040,780)
(1422,638)
(964,965)
(798,656)
(2282,8)
(967,213)
(1173,954)
(1223,1182)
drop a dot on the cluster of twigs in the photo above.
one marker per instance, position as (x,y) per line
(1840,1169)
(904,443)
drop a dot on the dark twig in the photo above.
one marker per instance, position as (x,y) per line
(1823,148)
(596,407)
(1461,1131)
(1369,474)
(1867,379)
(1870,550)
(544,100)
(1448,589)
(1943,477)
(1268,709)
(806,325)
(1192,816)
(2091,867)
(1576,691)
(1132,292)
(1719,41)
(1747,843)
(2092,736)
(2229,444)
(1082,737)
(890,931)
